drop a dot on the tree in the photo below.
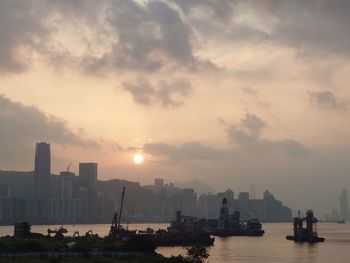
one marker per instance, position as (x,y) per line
(197,254)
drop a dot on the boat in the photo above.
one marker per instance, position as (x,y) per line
(308,233)
(230,225)
(184,231)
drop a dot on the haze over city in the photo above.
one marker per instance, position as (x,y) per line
(229,93)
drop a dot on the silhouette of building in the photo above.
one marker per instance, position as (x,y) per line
(88,185)
(252,191)
(67,185)
(158,184)
(42,170)
(243,201)
(343,205)
(189,202)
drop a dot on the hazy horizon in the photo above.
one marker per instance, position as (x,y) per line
(230,93)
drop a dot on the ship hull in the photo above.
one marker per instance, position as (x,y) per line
(306,239)
(238,233)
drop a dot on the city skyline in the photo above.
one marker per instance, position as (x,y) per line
(44,198)
(79,195)
(236,93)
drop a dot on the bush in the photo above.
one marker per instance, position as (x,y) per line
(197,254)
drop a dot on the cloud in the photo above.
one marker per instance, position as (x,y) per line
(218,10)
(165,93)
(148,37)
(247,136)
(309,27)
(22,126)
(21,32)
(187,151)
(327,100)
(248,131)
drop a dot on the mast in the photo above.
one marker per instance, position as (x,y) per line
(121,208)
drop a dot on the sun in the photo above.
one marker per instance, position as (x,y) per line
(138,158)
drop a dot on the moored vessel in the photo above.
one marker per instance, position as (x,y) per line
(184,231)
(308,233)
(230,225)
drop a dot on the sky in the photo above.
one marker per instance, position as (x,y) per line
(230,92)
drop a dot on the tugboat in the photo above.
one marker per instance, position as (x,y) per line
(184,231)
(230,225)
(308,234)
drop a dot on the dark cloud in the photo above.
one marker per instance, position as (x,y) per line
(165,93)
(247,136)
(138,36)
(315,26)
(22,126)
(327,100)
(152,35)
(21,32)
(248,131)
(149,36)
(219,10)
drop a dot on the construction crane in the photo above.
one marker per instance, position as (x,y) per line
(117,232)
(70,164)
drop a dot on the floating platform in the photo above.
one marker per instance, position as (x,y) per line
(308,233)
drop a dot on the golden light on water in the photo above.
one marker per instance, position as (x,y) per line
(138,158)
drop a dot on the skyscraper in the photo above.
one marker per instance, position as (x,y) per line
(344,207)
(88,181)
(158,184)
(67,181)
(42,170)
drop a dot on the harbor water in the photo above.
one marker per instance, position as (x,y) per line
(272,247)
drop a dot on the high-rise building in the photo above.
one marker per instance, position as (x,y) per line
(67,181)
(189,202)
(243,201)
(88,180)
(158,184)
(42,170)
(343,204)
(252,191)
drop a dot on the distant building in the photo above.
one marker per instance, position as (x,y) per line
(343,205)
(274,210)
(213,206)
(5,190)
(252,191)
(228,194)
(243,201)
(189,202)
(67,185)
(158,184)
(88,180)
(12,209)
(65,211)
(42,170)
